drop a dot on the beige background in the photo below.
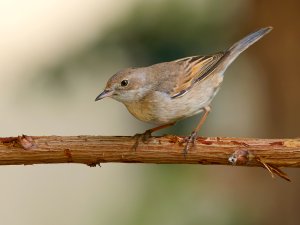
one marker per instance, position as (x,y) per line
(50,75)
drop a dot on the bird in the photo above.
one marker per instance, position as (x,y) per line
(167,92)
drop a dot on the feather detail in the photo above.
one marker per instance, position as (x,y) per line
(196,68)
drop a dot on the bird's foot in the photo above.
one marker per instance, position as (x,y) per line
(189,141)
(144,137)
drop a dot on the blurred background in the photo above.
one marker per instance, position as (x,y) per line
(56,56)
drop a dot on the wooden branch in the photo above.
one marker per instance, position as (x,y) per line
(93,150)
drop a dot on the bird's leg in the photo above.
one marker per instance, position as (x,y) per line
(191,139)
(144,137)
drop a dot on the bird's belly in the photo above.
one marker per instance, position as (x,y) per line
(160,108)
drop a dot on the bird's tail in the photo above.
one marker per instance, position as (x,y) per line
(236,49)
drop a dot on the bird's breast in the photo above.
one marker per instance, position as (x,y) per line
(159,108)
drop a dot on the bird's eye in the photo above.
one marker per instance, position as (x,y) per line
(124,83)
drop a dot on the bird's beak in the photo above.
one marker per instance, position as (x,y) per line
(104,94)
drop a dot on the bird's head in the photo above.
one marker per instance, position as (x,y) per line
(127,85)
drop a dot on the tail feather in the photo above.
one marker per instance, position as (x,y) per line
(236,49)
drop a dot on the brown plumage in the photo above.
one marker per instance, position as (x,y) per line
(170,91)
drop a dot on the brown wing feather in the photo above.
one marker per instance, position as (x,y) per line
(196,68)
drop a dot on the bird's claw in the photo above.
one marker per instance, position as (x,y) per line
(144,137)
(189,141)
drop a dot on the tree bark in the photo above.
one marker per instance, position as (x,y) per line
(93,150)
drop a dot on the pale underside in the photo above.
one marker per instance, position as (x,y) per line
(159,108)
(185,87)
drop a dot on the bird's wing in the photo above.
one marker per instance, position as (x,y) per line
(195,69)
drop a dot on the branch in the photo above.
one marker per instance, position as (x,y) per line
(93,150)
